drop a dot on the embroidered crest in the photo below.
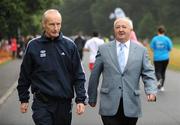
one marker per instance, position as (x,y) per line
(43,53)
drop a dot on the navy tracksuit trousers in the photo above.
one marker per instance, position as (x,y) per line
(52,112)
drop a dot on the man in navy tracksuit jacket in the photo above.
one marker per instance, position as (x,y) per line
(52,68)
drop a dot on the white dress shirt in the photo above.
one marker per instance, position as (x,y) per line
(126,49)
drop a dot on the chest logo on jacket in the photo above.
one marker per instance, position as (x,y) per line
(43,53)
(63,54)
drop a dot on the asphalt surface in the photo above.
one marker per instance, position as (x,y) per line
(9,73)
(165,111)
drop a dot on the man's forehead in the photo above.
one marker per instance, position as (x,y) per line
(52,18)
(51,14)
(122,22)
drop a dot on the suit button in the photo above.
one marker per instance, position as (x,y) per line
(119,87)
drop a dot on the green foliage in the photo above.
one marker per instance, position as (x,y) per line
(100,12)
(89,15)
(76,16)
(24,16)
(10,17)
(146,26)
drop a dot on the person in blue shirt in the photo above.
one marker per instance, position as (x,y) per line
(161,46)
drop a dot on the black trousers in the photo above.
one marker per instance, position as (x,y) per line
(160,70)
(52,112)
(119,118)
(81,54)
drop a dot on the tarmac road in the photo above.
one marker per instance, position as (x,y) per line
(165,111)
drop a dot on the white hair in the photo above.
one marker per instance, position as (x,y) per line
(127,19)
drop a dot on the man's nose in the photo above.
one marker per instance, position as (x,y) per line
(120,28)
(56,27)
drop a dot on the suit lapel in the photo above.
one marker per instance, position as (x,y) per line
(131,55)
(113,55)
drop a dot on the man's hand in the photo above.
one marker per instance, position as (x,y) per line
(80,108)
(92,104)
(24,107)
(151,97)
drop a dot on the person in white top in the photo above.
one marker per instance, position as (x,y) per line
(92,47)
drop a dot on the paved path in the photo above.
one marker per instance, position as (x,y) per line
(8,74)
(166,111)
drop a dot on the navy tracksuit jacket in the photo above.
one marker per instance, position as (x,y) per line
(52,67)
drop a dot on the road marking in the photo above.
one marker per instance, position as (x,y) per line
(8,93)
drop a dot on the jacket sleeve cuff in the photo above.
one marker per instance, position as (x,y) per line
(81,100)
(24,101)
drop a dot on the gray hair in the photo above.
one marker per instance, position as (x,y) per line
(49,11)
(127,19)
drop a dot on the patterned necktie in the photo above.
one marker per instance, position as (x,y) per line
(121,58)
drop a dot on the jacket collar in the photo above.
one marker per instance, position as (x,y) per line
(46,39)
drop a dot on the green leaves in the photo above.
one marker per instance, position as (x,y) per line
(89,15)
(24,15)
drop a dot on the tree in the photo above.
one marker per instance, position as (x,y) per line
(11,17)
(24,16)
(89,15)
(147,26)
(76,16)
(100,11)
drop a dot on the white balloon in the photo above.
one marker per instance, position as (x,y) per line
(112,16)
(119,13)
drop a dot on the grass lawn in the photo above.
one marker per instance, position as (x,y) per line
(175,59)
(177,46)
(176,42)
(175,55)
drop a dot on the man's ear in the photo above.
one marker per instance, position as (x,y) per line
(43,25)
